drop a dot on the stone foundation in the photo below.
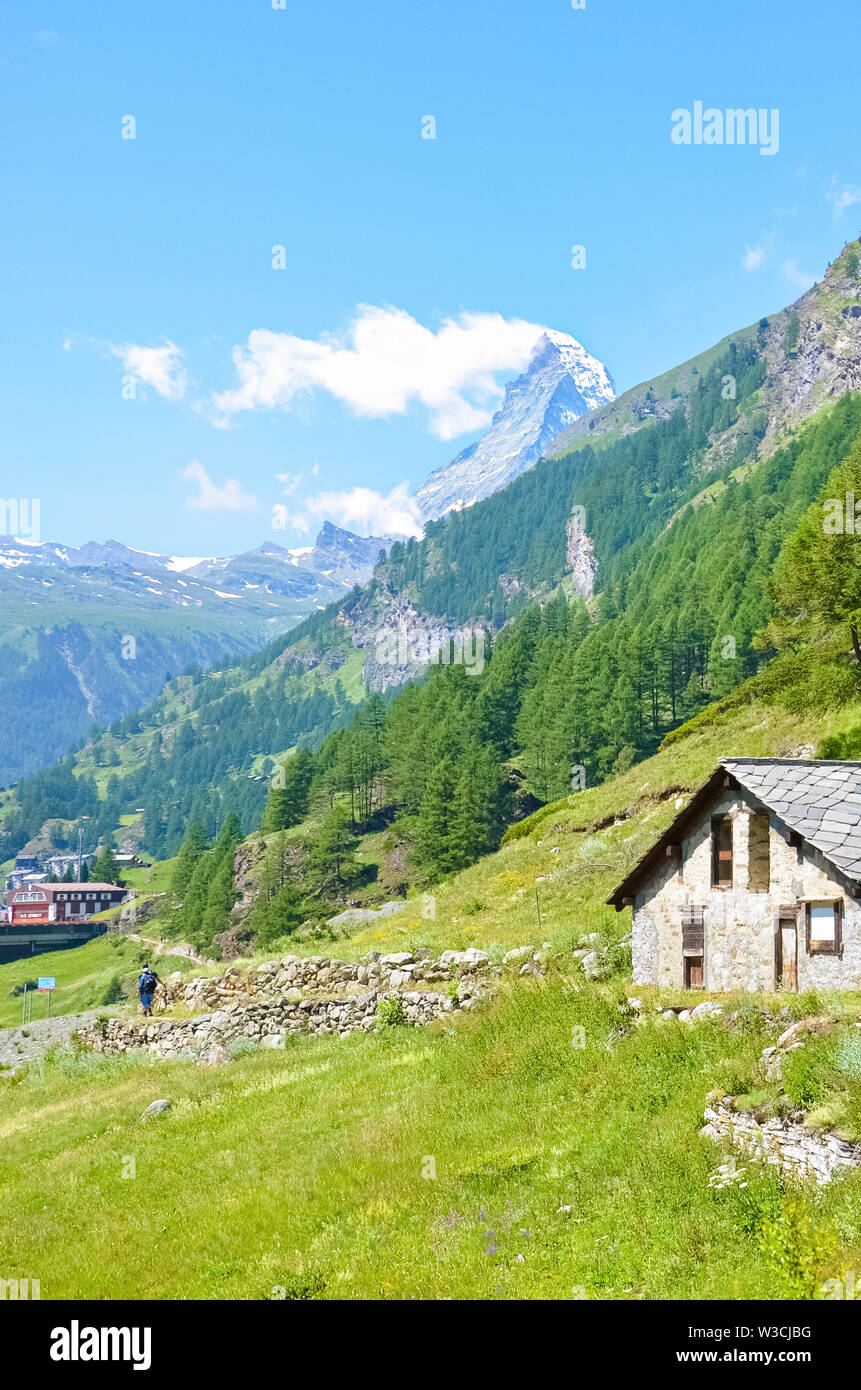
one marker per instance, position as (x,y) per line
(783,1142)
(268,1023)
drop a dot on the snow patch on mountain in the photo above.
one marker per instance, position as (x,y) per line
(562,382)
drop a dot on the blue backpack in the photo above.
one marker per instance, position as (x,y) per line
(148,982)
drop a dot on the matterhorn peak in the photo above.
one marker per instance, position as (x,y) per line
(562,382)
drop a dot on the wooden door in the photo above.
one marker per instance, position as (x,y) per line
(693,972)
(786,964)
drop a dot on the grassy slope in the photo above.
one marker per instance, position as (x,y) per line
(83,976)
(593,853)
(321,1150)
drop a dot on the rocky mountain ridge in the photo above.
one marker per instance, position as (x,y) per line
(561,383)
(91,632)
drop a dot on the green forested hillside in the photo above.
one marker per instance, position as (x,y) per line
(454,760)
(686,521)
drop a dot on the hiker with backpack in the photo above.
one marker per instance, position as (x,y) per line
(147,985)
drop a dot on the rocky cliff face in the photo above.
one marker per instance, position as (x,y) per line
(813,349)
(580,557)
(562,382)
(812,352)
(399,641)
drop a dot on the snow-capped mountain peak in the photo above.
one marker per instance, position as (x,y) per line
(562,382)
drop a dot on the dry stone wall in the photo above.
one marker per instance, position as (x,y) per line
(783,1142)
(269,1023)
(298,995)
(397,970)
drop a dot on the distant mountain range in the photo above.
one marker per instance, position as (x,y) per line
(70,615)
(337,559)
(91,632)
(664,508)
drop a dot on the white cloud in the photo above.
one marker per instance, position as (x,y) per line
(798,278)
(385,362)
(283,520)
(47,36)
(754,257)
(229,497)
(158,367)
(841,196)
(369,513)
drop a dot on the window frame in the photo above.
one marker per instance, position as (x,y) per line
(826,947)
(717,823)
(763,819)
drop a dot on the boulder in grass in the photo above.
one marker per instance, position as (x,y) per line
(707,1009)
(517,955)
(157,1107)
(594,966)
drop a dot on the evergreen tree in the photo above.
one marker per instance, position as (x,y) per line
(287,803)
(817,577)
(332,866)
(220,899)
(192,848)
(480,810)
(104,867)
(435,849)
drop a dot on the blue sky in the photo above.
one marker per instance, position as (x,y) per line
(151,258)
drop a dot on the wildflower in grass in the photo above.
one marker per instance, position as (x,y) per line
(727,1175)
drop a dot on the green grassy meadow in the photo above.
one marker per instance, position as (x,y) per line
(84,976)
(489,1157)
(407,1165)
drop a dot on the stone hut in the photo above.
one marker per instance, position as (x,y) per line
(756,884)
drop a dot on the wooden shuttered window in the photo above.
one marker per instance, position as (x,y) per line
(693,931)
(823,927)
(722,852)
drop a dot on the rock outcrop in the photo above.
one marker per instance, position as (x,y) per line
(580,557)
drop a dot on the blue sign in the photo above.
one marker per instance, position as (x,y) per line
(47,982)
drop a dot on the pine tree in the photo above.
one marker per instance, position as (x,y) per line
(817,577)
(479,809)
(220,898)
(332,866)
(435,851)
(193,846)
(105,868)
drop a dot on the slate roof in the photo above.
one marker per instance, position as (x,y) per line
(819,799)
